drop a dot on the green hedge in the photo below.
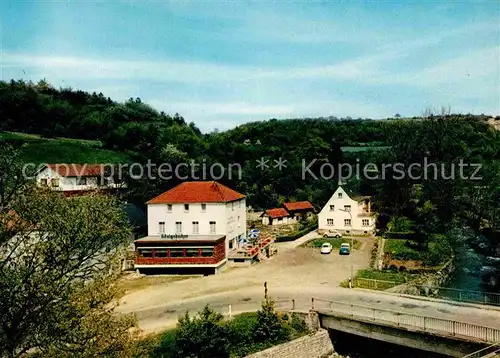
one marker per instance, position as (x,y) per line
(298,234)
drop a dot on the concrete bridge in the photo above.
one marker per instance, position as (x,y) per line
(441,335)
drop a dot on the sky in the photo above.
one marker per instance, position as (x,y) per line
(221,64)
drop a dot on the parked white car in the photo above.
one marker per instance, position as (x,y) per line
(332,233)
(326,248)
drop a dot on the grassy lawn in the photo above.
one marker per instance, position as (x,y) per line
(387,279)
(401,251)
(130,284)
(333,241)
(35,149)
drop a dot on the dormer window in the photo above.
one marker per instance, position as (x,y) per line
(340,195)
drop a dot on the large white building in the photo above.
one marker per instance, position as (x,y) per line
(347,213)
(192,214)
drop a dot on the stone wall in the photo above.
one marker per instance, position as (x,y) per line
(316,345)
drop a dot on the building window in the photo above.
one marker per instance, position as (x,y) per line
(329,222)
(212,227)
(176,252)
(365,222)
(178,227)
(347,222)
(43,182)
(347,207)
(192,252)
(146,253)
(81,181)
(196,227)
(340,195)
(239,221)
(161,253)
(332,207)
(161,227)
(207,252)
(169,208)
(54,182)
(203,208)
(186,207)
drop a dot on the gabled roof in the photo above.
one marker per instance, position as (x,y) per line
(277,213)
(77,170)
(197,192)
(353,195)
(299,205)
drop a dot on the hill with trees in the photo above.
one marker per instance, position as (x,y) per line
(427,204)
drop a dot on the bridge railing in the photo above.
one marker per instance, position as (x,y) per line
(495,348)
(469,296)
(426,324)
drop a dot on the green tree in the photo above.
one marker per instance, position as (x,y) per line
(58,264)
(203,336)
(269,326)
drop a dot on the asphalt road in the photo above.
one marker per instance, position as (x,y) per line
(165,315)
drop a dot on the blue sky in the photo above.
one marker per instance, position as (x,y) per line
(221,64)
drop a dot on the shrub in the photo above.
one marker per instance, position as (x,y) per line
(269,327)
(166,346)
(298,324)
(203,336)
(241,328)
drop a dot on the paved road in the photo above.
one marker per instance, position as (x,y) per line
(164,315)
(299,273)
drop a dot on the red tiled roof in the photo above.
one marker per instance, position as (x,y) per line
(299,205)
(277,213)
(197,192)
(77,170)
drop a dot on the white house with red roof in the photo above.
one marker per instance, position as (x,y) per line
(189,221)
(75,178)
(290,213)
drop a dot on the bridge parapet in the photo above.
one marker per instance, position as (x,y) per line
(424,324)
(418,323)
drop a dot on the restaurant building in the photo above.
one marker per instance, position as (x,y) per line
(191,229)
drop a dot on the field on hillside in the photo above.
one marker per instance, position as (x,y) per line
(35,149)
